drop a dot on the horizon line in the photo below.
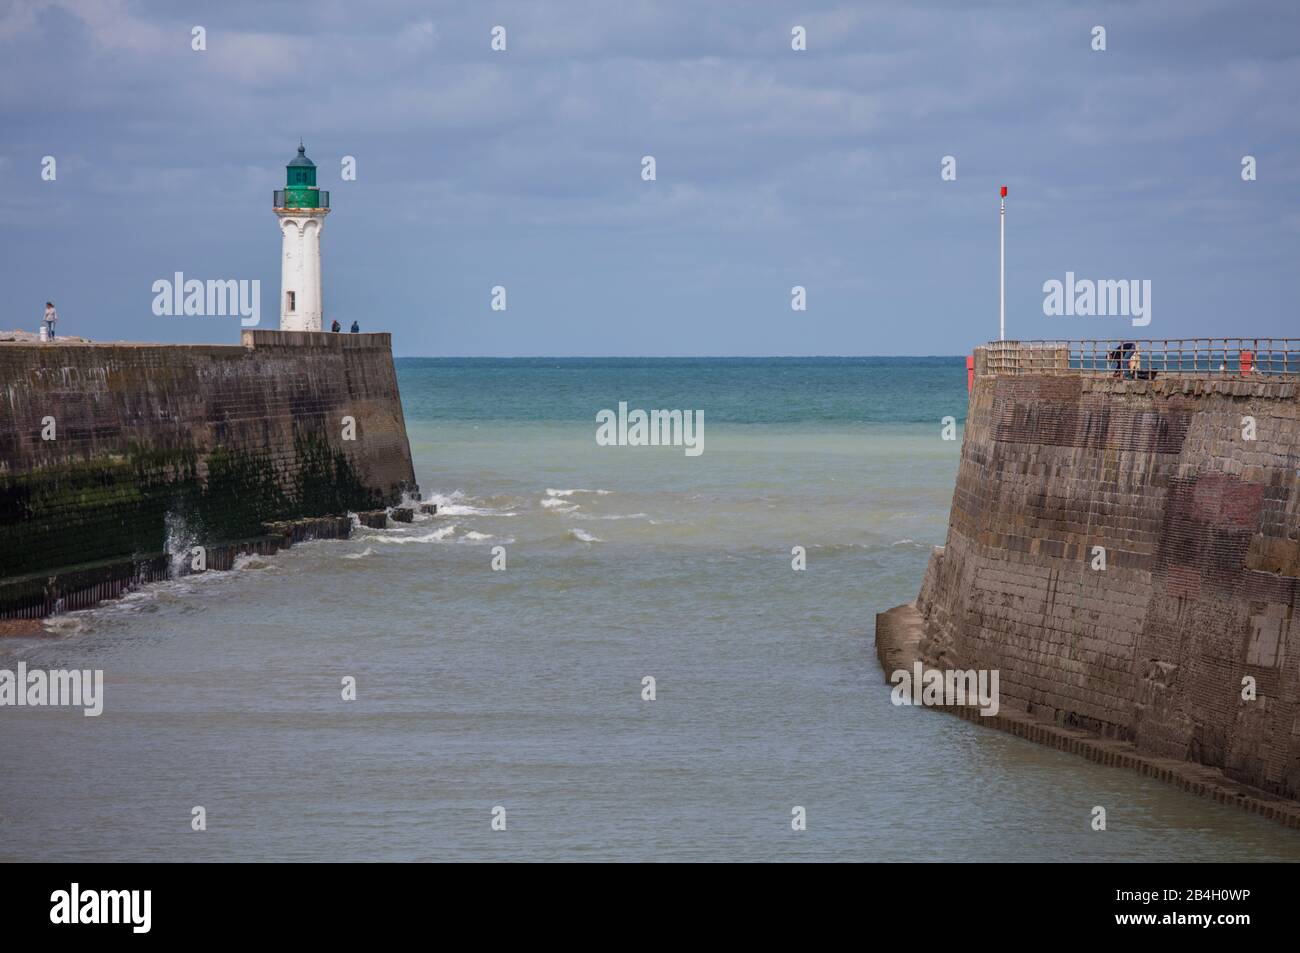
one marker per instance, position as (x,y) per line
(657,357)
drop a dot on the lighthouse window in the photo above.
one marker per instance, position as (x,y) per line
(289,299)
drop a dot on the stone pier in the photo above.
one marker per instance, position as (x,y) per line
(1179,657)
(114,455)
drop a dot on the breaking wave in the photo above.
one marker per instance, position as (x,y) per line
(431,537)
(457,503)
(251,561)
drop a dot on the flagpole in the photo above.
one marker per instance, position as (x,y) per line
(1002,268)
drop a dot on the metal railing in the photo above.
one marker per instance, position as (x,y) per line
(295,196)
(1147,359)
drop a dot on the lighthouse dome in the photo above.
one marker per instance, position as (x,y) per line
(301,158)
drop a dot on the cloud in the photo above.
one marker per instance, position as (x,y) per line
(538,148)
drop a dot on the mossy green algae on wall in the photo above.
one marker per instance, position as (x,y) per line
(205,442)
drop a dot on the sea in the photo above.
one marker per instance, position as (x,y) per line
(590,652)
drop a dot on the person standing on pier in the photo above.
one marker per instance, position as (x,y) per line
(51,316)
(1134,363)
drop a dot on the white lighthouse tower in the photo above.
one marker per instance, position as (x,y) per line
(301,208)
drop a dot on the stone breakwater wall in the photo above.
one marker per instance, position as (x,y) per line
(115,456)
(1200,529)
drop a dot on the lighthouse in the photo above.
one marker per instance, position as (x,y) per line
(301,208)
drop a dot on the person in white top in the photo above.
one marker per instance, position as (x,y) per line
(1134,363)
(50,317)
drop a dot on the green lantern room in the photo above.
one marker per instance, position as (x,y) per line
(300,189)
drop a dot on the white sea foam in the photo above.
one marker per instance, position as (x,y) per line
(251,561)
(456,509)
(582,536)
(550,492)
(457,503)
(474,535)
(361,555)
(66,625)
(430,537)
(179,543)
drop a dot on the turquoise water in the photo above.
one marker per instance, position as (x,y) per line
(522,688)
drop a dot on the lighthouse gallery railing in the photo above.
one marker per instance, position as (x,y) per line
(322,198)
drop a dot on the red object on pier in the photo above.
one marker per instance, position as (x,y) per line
(970,372)
(1247,361)
(1004,191)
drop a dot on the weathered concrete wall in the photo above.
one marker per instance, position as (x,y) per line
(1201,530)
(204,442)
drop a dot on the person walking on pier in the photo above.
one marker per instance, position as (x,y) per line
(356,328)
(51,316)
(336,327)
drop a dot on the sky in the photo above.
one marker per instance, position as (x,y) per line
(775,168)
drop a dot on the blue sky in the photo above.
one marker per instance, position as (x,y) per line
(775,168)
